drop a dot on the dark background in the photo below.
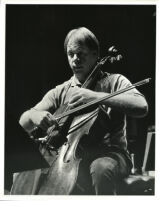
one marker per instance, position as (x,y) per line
(35,60)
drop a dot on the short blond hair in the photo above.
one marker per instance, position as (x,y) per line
(84,36)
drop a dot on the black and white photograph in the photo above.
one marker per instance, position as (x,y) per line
(79,115)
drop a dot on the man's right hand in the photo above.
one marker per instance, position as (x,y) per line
(42,119)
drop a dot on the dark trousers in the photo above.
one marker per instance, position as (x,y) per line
(107,171)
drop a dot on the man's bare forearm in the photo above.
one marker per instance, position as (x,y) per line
(131,104)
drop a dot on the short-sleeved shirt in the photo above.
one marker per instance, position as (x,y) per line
(109,83)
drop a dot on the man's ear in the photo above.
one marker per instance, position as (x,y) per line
(95,53)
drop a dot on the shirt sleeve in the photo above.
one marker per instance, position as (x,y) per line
(119,82)
(48,102)
(52,99)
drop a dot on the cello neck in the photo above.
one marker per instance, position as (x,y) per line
(88,82)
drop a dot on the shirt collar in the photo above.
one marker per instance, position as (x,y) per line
(75,82)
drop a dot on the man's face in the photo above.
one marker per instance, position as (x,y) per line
(81,59)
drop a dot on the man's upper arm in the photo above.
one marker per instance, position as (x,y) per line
(119,82)
(46,103)
(53,98)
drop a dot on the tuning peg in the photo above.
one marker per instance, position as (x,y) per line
(112,59)
(112,49)
(119,57)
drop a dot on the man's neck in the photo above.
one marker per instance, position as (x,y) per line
(77,81)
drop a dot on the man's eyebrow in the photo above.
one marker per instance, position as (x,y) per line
(74,50)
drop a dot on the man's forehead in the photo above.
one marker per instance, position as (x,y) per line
(76,45)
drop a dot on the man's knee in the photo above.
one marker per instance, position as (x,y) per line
(104,168)
(103,172)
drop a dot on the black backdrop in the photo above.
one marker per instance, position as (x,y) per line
(35,60)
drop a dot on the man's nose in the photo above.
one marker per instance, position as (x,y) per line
(76,58)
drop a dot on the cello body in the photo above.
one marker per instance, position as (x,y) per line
(65,163)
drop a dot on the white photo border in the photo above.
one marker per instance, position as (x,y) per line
(2,100)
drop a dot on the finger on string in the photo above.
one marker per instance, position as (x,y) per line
(50,119)
(74,99)
(77,103)
(56,123)
(53,121)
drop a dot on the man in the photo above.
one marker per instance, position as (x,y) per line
(82,48)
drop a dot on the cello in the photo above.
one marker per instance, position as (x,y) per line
(67,145)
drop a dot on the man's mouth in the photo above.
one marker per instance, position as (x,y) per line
(77,68)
